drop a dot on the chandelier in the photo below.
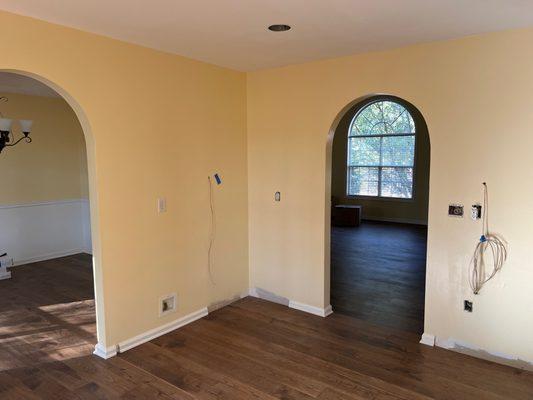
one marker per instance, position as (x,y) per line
(7,138)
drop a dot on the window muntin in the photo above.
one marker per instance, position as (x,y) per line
(381,151)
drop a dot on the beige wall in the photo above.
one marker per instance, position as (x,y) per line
(157,125)
(475,94)
(53,167)
(413,210)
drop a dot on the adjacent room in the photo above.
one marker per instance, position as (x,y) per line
(266,199)
(47,311)
(380,188)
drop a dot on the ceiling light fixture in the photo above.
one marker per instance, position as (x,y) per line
(279,28)
(5,130)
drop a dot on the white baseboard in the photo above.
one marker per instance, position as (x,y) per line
(397,220)
(321,312)
(268,296)
(105,352)
(428,339)
(274,298)
(474,351)
(328,310)
(161,330)
(50,256)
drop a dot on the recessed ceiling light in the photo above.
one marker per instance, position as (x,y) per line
(279,28)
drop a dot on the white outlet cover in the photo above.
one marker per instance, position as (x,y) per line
(474,212)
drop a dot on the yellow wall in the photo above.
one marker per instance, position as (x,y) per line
(53,167)
(156,125)
(475,94)
(413,210)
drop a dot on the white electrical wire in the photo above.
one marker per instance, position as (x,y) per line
(487,241)
(212,232)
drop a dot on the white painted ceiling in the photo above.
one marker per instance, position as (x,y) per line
(14,83)
(233,33)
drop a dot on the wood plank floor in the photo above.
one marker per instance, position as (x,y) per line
(47,312)
(378,273)
(251,349)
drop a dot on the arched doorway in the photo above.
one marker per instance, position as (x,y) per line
(66,205)
(378,188)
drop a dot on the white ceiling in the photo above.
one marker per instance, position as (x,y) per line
(14,83)
(233,33)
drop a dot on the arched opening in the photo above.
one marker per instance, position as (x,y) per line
(48,221)
(378,160)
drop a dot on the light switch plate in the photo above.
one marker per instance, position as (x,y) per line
(161,205)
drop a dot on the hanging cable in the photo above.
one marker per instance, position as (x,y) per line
(487,242)
(212,232)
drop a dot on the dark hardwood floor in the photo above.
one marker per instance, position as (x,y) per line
(47,312)
(378,273)
(251,349)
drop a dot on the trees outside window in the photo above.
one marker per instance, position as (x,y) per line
(381,151)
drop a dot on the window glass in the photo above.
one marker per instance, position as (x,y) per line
(381,151)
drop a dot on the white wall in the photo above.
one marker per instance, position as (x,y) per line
(38,231)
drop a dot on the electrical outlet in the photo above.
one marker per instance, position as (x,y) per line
(456,210)
(475,211)
(167,304)
(469,306)
(277,196)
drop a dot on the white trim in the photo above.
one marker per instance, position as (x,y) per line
(321,312)
(105,352)
(274,298)
(159,331)
(42,203)
(253,292)
(467,348)
(269,296)
(459,346)
(50,256)
(5,275)
(428,339)
(397,220)
(328,310)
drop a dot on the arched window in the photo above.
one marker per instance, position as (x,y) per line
(381,151)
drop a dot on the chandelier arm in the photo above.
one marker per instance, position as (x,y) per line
(28,140)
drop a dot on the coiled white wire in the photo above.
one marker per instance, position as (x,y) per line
(488,241)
